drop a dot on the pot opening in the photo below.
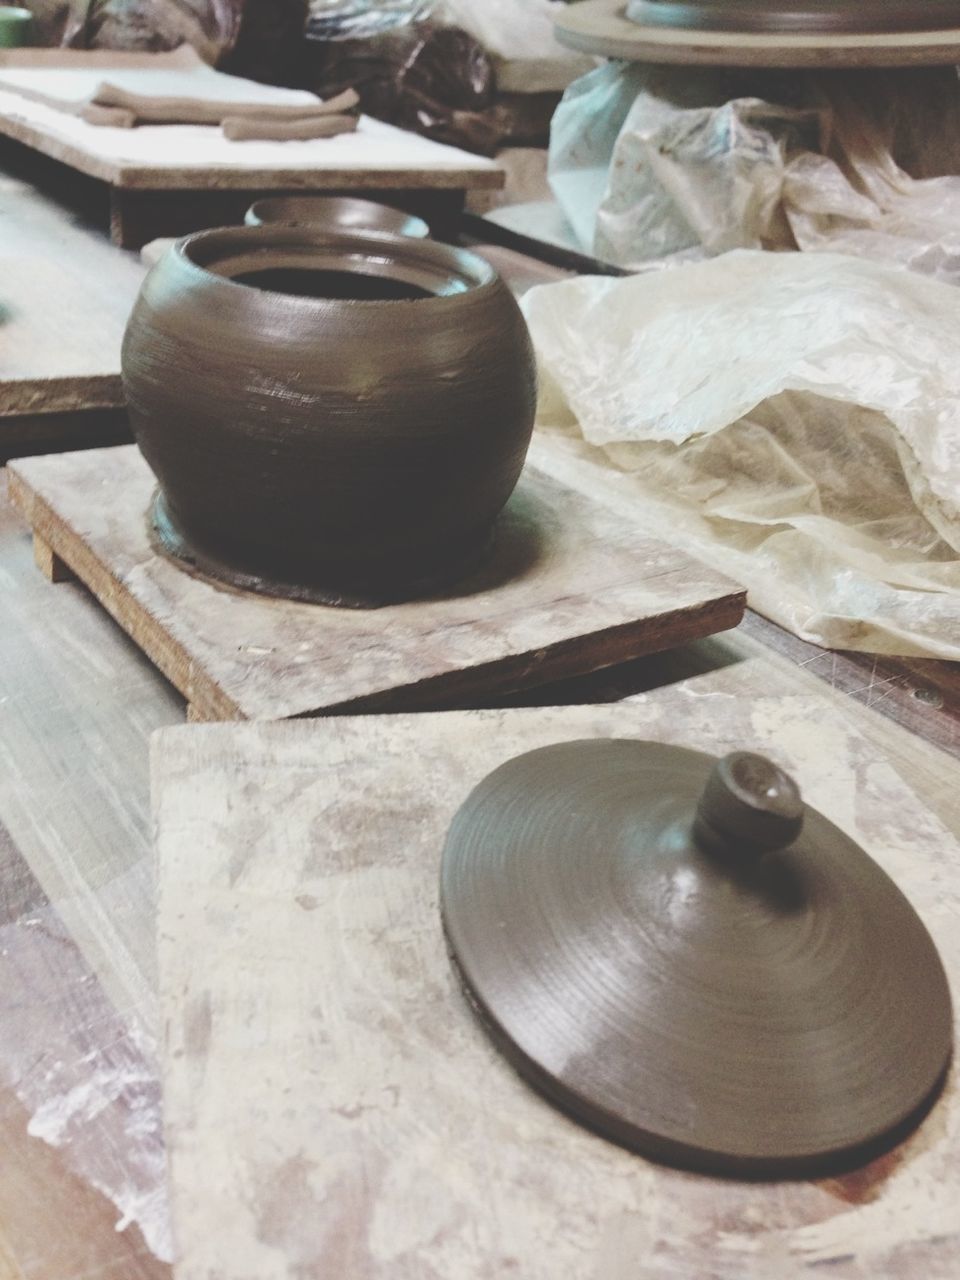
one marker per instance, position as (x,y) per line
(354,286)
(316,266)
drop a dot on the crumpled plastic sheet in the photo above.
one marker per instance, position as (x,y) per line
(510,28)
(792,419)
(87,1075)
(652,163)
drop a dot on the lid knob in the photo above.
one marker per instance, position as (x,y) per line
(748,807)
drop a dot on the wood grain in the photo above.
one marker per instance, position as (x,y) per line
(301,861)
(571,587)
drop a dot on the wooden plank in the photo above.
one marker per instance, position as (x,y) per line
(571,587)
(299,860)
(77,704)
(60,350)
(179,157)
(65,296)
(49,563)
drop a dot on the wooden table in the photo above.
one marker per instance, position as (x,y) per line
(170,179)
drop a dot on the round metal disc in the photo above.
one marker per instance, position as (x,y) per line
(775,1018)
(820,17)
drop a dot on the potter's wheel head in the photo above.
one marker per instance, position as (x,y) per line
(814,17)
(681,956)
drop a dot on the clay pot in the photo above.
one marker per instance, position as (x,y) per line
(334,213)
(330,417)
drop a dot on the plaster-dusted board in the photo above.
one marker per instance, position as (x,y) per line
(69,78)
(570,587)
(59,349)
(600,27)
(65,295)
(199,157)
(333,1109)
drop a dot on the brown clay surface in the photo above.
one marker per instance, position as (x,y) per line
(768,1015)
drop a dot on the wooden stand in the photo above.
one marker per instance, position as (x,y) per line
(571,587)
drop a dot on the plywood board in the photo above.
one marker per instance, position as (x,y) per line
(601,28)
(58,349)
(332,1107)
(65,295)
(570,587)
(199,157)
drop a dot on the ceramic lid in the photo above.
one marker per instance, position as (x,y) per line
(681,955)
(822,17)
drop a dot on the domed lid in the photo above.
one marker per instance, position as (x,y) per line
(818,17)
(678,953)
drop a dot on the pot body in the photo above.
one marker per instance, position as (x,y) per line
(323,447)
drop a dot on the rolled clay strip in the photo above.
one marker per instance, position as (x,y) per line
(240,129)
(108,117)
(149,109)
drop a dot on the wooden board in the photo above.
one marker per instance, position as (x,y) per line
(199,157)
(65,295)
(331,1105)
(600,27)
(69,78)
(60,350)
(569,588)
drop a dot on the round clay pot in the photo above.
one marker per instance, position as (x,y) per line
(334,213)
(330,417)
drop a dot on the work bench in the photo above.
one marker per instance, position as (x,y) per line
(79,1024)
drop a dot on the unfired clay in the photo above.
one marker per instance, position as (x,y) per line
(675,952)
(330,417)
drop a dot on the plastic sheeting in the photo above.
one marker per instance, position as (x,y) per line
(792,419)
(650,163)
(510,28)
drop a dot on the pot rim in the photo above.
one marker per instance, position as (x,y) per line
(197,252)
(255,215)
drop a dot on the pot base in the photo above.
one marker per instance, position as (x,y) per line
(168,540)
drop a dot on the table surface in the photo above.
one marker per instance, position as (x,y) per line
(65,295)
(79,1100)
(199,157)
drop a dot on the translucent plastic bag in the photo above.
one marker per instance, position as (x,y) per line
(792,419)
(510,28)
(650,162)
(360,19)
